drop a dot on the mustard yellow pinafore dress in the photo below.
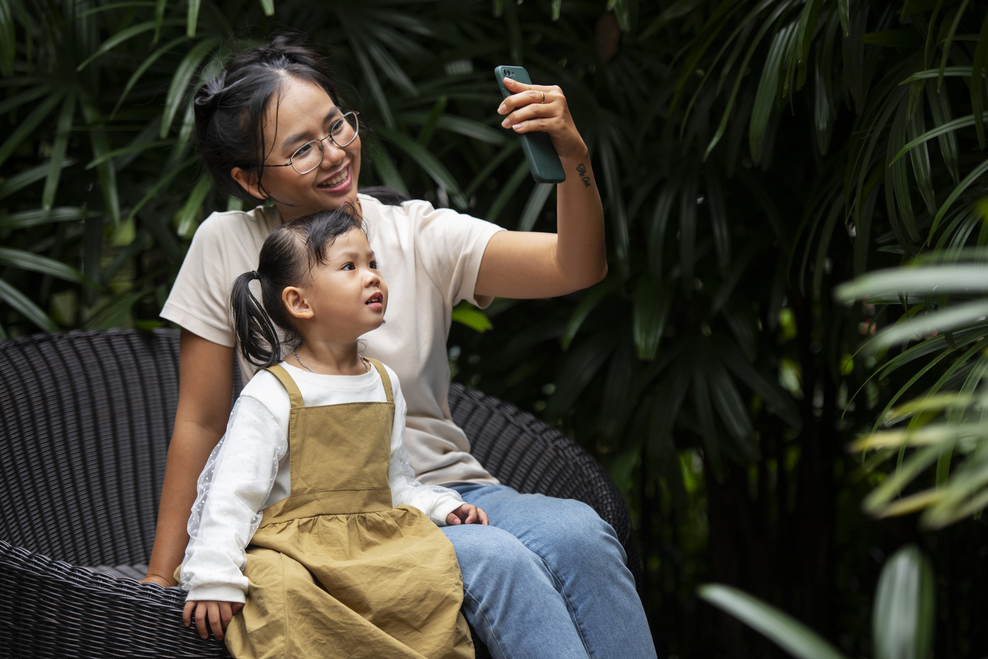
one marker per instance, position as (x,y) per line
(334,569)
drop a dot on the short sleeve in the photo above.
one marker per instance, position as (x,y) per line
(450,247)
(226,245)
(200,299)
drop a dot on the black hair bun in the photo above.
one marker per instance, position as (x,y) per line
(209,93)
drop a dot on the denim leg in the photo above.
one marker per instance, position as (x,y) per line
(510,598)
(579,555)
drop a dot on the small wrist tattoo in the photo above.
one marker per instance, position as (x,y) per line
(582,169)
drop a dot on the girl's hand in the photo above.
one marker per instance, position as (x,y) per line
(542,108)
(219,615)
(467,514)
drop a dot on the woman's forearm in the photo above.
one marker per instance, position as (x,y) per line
(525,264)
(205,376)
(581,255)
(187,454)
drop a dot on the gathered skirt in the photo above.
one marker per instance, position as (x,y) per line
(376,585)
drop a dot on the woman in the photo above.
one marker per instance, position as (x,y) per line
(547,578)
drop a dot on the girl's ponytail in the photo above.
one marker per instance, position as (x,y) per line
(256,333)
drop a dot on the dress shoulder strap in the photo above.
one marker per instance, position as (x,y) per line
(384,377)
(294,395)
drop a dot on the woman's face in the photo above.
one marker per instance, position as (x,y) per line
(304,112)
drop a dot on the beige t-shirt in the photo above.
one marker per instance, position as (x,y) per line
(429,258)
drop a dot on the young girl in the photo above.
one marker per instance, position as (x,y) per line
(296,504)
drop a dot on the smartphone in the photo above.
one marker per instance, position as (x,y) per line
(541,155)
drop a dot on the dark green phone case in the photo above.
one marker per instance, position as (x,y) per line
(539,152)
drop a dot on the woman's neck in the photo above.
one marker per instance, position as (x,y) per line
(327,358)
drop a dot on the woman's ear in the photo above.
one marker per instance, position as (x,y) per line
(248,182)
(295,303)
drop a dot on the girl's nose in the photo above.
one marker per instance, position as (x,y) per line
(373,278)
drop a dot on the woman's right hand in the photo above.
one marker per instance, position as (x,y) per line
(542,108)
(205,387)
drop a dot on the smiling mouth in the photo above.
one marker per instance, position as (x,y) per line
(336,180)
(376,298)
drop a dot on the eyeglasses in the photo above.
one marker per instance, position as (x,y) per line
(309,156)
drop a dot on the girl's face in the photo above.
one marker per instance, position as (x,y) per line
(345,297)
(304,112)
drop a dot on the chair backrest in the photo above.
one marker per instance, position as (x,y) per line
(85,420)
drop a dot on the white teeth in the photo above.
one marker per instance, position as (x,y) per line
(336,180)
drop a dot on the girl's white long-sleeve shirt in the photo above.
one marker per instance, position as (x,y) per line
(249,470)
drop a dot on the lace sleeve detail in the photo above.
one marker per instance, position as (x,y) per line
(232,488)
(435,501)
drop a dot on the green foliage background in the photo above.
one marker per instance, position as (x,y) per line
(751,155)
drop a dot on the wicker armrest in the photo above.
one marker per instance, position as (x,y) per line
(531,456)
(50,609)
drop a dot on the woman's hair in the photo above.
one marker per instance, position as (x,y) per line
(287,258)
(229,110)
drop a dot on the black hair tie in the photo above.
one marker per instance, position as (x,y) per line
(256,274)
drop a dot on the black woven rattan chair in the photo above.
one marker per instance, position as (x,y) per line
(85,419)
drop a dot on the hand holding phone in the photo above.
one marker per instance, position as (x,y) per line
(539,152)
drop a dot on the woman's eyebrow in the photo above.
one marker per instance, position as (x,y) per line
(292,139)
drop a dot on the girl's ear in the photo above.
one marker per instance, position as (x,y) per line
(295,302)
(248,182)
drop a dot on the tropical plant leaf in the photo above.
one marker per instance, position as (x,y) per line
(58,150)
(978,70)
(791,635)
(902,621)
(40,217)
(22,180)
(942,114)
(151,59)
(428,162)
(948,41)
(533,207)
(26,127)
(921,158)
(731,409)
(969,180)
(29,261)
(23,305)
(954,125)
(8,39)
(182,79)
(186,216)
(472,317)
(507,191)
(768,89)
(582,365)
(593,298)
(124,35)
(105,170)
(651,311)
(384,164)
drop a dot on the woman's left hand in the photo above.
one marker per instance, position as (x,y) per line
(542,108)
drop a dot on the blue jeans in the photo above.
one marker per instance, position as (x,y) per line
(547,578)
